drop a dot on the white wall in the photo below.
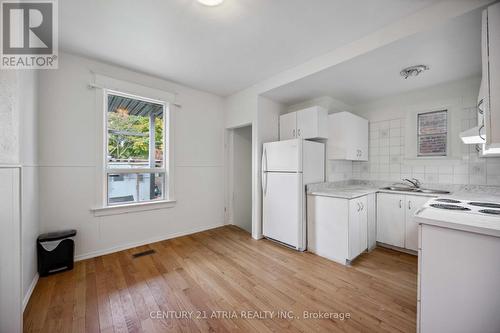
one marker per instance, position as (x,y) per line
(268,115)
(240,109)
(389,138)
(331,104)
(30,224)
(246,108)
(68,161)
(242,178)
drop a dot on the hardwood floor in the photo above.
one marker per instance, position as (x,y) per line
(216,272)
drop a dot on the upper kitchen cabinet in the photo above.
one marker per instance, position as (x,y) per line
(347,137)
(310,123)
(491,73)
(487,133)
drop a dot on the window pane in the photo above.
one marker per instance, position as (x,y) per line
(432,123)
(432,131)
(129,123)
(432,145)
(159,144)
(135,187)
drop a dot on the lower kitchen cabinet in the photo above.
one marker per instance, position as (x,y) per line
(358,227)
(391,219)
(412,204)
(458,281)
(337,228)
(395,225)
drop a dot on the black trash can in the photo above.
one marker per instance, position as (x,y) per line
(55,252)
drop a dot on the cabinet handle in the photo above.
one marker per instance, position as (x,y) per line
(409,205)
(293,133)
(298,132)
(400,203)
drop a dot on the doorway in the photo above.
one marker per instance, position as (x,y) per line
(241,177)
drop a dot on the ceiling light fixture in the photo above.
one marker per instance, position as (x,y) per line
(211,3)
(413,71)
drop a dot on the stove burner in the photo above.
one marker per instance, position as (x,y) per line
(485,204)
(490,211)
(450,207)
(447,201)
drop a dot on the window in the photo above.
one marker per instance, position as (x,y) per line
(432,133)
(136,149)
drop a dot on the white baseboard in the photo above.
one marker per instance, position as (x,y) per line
(27,297)
(127,246)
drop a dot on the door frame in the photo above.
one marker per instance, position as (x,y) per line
(229,173)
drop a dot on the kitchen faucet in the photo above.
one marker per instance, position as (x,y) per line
(414,182)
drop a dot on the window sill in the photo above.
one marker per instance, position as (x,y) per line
(133,208)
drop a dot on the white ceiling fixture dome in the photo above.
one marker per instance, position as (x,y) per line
(211,3)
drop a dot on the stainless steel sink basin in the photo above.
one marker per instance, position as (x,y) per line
(414,190)
(397,188)
(430,191)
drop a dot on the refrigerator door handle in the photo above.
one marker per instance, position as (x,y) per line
(264,161)
(264,171)
(264,183)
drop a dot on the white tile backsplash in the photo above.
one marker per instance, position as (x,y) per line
(338,170)
(387,159)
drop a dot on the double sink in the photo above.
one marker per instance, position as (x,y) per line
(414,190)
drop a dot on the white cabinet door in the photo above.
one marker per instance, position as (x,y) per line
(307,123)
(347,137)
(493,114)
(327,227)
(312,123)
(371,210)
(391,219)
(288,126)
(361,139)
(358,227)
(350,138)
(458,281)
(413,203)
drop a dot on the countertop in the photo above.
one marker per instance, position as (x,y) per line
(356,189)
(477,223)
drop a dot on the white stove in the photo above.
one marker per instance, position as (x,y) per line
(467,212)
(459,263)
(466,206)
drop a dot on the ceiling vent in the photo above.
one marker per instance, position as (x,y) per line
(413,71)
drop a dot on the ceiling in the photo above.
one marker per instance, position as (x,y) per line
(219,49)
(452,51)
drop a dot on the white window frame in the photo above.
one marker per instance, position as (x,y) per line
(454,146)
(447,134)
(105,86)
(163,170)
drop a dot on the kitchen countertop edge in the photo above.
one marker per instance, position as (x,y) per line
(341,193)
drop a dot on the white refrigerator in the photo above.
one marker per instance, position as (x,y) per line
(287,167)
